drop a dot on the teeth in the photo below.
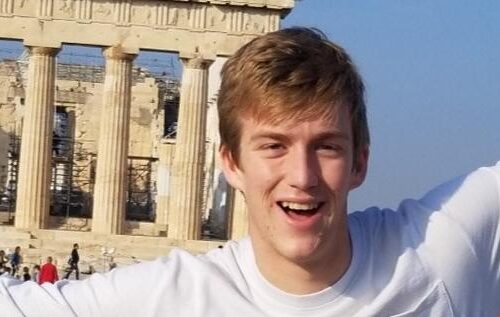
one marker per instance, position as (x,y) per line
(297,206)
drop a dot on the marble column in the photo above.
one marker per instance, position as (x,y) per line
(184,215)
(111,172)
(238,226)
(165,154)
(33,188)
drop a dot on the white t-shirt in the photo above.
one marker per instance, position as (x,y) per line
(437,256)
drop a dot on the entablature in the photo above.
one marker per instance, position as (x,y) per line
(208,27)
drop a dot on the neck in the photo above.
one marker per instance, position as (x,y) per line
(309,276)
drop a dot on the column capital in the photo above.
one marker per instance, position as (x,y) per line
(196,60)
(117,52)
(43,51)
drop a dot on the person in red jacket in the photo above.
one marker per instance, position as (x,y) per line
(48,272)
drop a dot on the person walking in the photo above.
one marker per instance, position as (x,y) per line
(73,262)
(15,260)
(48,273)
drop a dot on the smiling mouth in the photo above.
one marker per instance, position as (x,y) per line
(309,209)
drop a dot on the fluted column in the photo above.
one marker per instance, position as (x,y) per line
(165,153)
(184,213)
(33,188)
(238,216)
(111,171)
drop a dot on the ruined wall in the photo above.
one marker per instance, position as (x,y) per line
(11,108)
(82,100)
(85,99)
(145,118)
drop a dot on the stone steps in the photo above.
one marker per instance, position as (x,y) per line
(12,243)
(5,218)
(11,231)
(36,245)
(15,235)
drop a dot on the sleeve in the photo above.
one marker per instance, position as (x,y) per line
(470,207)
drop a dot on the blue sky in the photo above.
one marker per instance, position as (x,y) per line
(432,72)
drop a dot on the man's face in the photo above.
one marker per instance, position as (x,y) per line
(295,178)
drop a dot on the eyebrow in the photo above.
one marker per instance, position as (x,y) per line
(284,136)
(333,135)
(269,135)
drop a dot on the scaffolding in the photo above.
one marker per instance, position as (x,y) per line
(141,189)
(72,179)
(8,189)
(73,163)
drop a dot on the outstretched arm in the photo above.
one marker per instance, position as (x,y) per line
(468,226)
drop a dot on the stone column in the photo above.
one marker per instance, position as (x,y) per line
(238,221)
(165,153)
(33,188)
(111,171)
(184,213)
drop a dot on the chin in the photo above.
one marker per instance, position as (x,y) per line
(301,250)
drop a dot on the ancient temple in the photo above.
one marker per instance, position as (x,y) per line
(115,153)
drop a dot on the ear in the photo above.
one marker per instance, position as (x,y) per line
(232,172)
(360,167)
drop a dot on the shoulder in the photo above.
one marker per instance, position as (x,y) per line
(185,267)
(231,255)
(219,262)
(471,201)
(176,277)
(482,184)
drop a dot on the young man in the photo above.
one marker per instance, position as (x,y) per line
(295,142)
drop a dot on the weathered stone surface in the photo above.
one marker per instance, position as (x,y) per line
(96,250)
(211,27)
(33,200)
(112,153)
(184,216)
(132,117)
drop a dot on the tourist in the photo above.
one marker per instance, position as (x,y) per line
(26,274)
(15,260)
(35,273)
(295,142)
(48,272)
(73,262)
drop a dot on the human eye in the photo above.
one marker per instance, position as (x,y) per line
(329,148)
(273,146)
(273,149)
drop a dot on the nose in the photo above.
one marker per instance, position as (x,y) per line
(303,169)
